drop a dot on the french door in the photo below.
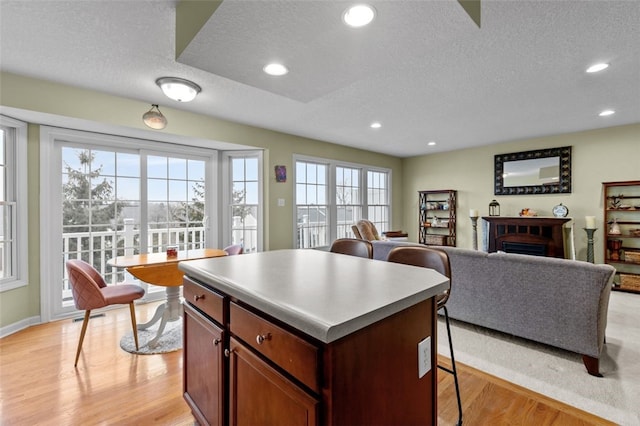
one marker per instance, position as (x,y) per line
(110,196)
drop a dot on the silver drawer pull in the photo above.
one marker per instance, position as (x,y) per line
(262,337)
(196,297)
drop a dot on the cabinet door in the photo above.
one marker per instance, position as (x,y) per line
(203,366)
(259,395)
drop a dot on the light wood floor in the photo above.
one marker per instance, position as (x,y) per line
(39,385)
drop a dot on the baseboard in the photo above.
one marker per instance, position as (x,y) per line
(20,325)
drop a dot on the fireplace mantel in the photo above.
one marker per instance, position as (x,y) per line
(542,236)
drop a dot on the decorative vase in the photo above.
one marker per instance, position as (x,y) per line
(615,228)
(614,247)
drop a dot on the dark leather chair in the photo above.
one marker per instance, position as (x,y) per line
(352,247)
(91,292)
(438,260)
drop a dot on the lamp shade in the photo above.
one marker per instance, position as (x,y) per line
(178,89)
(154,118)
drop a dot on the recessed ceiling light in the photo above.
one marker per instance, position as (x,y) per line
(376,125)
(607,112)
(432,143)
(275,69)
(597,67)
(359,15)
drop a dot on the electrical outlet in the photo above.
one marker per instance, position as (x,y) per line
(280,202)
(424,357)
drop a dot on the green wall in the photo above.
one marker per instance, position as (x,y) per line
(60,100)
(610,154)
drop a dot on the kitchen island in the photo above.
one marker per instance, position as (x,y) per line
(310,337)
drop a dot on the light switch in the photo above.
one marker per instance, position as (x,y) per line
(424,357)
(280,202)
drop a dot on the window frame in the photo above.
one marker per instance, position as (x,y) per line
(226,223)
(331,189)
(17,179)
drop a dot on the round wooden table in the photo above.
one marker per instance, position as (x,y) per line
(162,270)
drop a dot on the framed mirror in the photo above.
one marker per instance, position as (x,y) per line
(543,171)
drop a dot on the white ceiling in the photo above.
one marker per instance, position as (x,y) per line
(422,68)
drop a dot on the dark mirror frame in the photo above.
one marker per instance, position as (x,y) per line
(562,187)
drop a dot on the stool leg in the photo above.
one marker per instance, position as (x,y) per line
(453,369)
(85,322)
(133,324)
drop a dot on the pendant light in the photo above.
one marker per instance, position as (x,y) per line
(154,118)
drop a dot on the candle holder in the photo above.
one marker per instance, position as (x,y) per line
(590,232)
(474,225)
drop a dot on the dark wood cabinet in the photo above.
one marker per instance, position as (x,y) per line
(437,217)
(622,233)
(260,395)
(276,376)
(204,379)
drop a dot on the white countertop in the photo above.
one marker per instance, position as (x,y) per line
(322,294)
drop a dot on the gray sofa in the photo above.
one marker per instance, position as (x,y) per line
(558,302)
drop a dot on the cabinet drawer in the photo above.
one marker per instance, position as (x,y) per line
(295,355)
(205,299)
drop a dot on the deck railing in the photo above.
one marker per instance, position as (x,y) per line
(97,248)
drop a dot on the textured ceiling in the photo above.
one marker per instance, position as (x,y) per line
(422,68)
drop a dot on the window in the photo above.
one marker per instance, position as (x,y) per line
(348,200)
(355,191)
(378,199)
(176,191)
(312,207)
(245,202)
(13,204)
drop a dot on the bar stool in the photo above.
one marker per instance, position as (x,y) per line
(437,260)
(352,247)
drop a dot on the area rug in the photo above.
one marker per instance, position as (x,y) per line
(559,374)
(171,339)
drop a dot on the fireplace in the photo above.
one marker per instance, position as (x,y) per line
(538,236)
(524,248)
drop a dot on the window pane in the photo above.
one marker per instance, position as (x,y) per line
(104,162)
(196,170)
(156,167)
(312,173)
(127,189)
(157,189)
(252,169)
(196,190)
(238,169)
(301,194)
(252,193)
(128,164)
(177,168)
(177,190)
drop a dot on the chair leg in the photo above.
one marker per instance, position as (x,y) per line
(133,324)
(85,322)
(453,369)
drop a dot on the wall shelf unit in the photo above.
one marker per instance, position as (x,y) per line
(437,217)
(622,233)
